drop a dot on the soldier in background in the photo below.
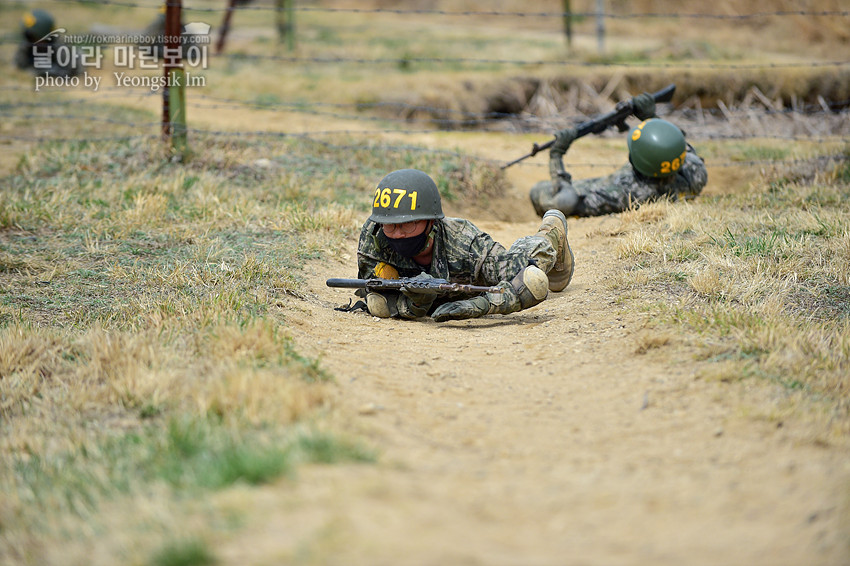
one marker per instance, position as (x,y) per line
(43,51)
(661,164)
(407,235)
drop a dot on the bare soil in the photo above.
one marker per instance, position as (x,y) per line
(550,436)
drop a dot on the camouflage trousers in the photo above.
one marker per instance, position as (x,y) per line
(537,250)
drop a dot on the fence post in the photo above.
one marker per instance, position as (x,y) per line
(225,27)
(173,93)
(286,22)
(568,22)
(600,25)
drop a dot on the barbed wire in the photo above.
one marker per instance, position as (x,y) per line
(605,14)
(407,61)
(313,135)
(219,102)
(464,13)
(86,117)
(699,136)
(437,116)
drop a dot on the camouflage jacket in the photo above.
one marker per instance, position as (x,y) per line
(626,187)
(462,254)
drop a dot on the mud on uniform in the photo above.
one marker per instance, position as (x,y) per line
(462,253)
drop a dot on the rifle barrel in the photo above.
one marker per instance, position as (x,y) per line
(623,111)
(347,283)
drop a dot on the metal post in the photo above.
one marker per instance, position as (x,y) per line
(173,94)
(568,22)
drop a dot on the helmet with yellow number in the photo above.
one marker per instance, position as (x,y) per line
(36,24)
(406,195)
(657,148)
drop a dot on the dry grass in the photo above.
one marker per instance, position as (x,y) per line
(758,281)
(143,321)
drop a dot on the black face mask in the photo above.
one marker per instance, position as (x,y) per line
(409,247)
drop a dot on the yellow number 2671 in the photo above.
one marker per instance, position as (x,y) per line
(394,198)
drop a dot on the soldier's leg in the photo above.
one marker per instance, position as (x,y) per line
(554,229)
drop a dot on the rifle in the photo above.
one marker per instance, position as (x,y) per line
(616,117)
(435,286)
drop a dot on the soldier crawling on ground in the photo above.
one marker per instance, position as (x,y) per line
(661,164)
(407,235)
(43,51)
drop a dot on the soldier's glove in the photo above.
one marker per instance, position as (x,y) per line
(420,297)
(462,310)
(416,302)
(528,288)
(563,140)
(643,106)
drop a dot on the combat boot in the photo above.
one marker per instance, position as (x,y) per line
(554,227)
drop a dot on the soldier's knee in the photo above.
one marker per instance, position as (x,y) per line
(531,286)
(566,200)
(380,306)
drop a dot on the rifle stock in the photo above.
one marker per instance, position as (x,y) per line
(616,117)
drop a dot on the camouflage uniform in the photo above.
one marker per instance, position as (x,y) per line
(619,191)
(462,254)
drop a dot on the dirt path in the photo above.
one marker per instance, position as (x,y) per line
(542,438)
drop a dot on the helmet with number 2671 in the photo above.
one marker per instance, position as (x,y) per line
(406,195)
(657,148)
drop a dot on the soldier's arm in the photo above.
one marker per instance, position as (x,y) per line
(694,172)
(384,304)
(560,177)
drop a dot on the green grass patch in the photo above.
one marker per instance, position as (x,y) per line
(186,453)
(185,552)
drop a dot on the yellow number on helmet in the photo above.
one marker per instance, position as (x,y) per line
(386,271)
(400,193)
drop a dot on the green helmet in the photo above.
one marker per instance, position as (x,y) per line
(36,24)
(406,195)
(657,148)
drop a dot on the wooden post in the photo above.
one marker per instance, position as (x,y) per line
(600,25)
(225,26)
(173,93)
(568,22)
